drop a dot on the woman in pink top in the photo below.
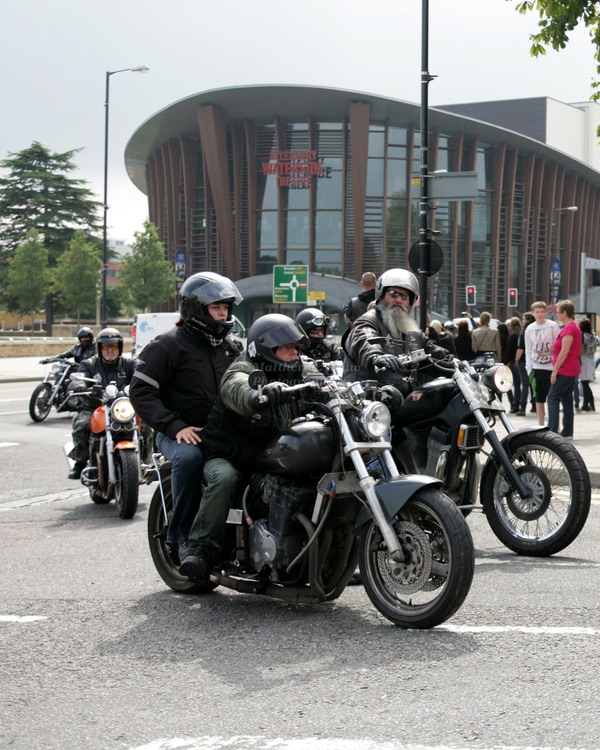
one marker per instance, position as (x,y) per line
(566,366)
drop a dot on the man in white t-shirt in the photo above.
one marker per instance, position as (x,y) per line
(539,340)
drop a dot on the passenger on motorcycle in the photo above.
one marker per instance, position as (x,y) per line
(177,381)
(239,427)
(315,325)
(84,349)
(376,339)
(107,366)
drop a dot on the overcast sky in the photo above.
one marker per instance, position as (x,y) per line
(55,53)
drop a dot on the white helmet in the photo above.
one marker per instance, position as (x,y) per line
(397,277)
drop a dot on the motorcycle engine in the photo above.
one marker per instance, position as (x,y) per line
(419,451)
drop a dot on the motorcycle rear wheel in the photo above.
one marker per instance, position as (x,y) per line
(163,560)
(554,515)
(127,485)
(433,581)
(40,402)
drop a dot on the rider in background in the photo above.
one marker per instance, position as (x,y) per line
(84,349)
(315,324)
(107,366)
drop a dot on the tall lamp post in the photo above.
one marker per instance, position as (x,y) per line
(109,73)
(555,260)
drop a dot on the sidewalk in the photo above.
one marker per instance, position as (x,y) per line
(587,424)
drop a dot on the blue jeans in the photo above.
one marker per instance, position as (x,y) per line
(186,482)
(561,393)
(222,482)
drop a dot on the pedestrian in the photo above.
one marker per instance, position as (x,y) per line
(358,305)
(588,366)
(539,342)
(509,359)
(486,339)
(463,342)
(442,337)
(566,366)
(527,320)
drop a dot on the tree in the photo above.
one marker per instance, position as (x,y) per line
(557,19)
(77,275)
(148,279)
(28,276)
(38,193)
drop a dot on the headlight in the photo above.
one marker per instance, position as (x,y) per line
(122,410)
(111,391)
(56,368)
(375,419)
(498,378)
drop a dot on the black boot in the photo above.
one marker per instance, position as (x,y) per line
(75,472)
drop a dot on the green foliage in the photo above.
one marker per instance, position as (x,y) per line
(148,279)
(78,274)
(557,19)
(28,276)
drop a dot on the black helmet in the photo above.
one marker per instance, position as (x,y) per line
(265,335)
(85,333)
(109,336)
(312,318)
(201,290)
(397,277)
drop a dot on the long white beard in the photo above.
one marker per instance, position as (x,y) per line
(397,321)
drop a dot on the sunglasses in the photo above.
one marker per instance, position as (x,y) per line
(398,295)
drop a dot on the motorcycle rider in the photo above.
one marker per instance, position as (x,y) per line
(240,426)
(387,330)
(315,324)
(107,366)
(84,349)
(176,383)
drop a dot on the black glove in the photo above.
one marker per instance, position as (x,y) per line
(387,361)
(277,394)
(47,360)
(390,396)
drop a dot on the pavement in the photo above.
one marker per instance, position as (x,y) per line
(587,424)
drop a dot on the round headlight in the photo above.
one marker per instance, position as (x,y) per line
(375,419)
(122,410)
(499,378)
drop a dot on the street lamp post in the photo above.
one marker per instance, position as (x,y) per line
(555,260)
(109,73)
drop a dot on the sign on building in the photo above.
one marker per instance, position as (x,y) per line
(290,284)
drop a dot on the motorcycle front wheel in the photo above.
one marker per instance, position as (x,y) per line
(40,402)
(165,561)
(560,495)
(433,580)
(127,485)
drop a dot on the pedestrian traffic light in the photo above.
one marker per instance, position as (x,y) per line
(513,297)
(471,294)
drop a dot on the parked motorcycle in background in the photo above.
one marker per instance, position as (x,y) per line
(114,467)
(532,484)
(52,391)
(318,504)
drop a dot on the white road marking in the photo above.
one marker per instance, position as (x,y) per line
(529,629)
(24,618)
(7,445)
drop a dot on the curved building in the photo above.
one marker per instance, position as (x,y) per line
(242,179)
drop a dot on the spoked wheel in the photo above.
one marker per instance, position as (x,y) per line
(433,580)
(40,402)
(165,559)
(127,483)
(560,495)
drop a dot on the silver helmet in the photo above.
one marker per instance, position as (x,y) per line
(397,277)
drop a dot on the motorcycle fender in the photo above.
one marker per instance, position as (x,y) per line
(125,445)
(393,494)
(506,441)
(98,423)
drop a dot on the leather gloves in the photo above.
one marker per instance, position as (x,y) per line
(276,395)
(388,361)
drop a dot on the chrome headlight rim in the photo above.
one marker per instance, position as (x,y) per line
(122,410)
(376,420)
(498,378)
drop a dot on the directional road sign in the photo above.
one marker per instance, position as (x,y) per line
(290,284)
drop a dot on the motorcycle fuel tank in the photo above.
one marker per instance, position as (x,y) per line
(425,402)
(304,448)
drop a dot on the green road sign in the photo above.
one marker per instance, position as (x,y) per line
(290,284)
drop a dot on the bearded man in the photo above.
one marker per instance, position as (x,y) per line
(387,330)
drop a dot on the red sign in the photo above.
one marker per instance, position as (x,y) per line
(295,169)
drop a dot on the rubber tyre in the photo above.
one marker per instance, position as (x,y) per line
(127,484)
(167,569)
(436,576)
(561,502)
(39,403)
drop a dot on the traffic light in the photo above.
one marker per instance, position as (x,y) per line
(471,294)
(513,297)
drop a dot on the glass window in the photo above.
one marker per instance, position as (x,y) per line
(296,257)
(396,178)
(397,136)
(296,229)
(328,229)
(267,230)
(297,198)
(330,189)
(375,177)
(328,261)
(377,143)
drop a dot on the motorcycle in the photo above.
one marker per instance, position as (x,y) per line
(52,391)
(114,468)
(533,488)
(317,505)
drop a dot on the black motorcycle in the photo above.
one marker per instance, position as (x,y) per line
(318,504)
(52,391)
(532,485)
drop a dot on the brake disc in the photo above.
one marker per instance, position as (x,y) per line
(532,507)
(413,572)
